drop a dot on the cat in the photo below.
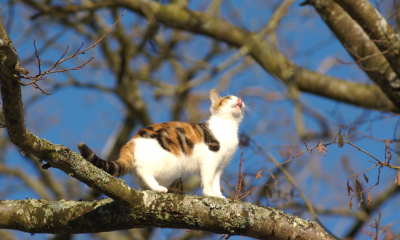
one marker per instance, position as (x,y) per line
(163,152)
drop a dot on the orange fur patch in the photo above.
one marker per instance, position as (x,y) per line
(175,137)
(220,103)
(126,158)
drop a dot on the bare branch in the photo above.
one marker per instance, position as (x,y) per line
(41,74)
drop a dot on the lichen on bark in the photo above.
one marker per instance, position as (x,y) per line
(154,210)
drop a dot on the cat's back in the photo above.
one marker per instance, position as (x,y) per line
(177,138)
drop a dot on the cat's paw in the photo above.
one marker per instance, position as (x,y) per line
(160,189)
(212,194)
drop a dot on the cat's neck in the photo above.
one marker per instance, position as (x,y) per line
(231,123)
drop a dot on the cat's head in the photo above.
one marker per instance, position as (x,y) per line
(230,107)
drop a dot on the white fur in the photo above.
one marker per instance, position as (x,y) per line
(156,168)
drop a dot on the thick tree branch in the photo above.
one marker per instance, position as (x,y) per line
(270,58)
(359,45)
(156,210)
(10,70)
(378,29)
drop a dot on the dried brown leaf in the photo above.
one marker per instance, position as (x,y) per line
(369,199)
(324,148)
(365,177)
(288,152)
(349,188)
(351,204)
(298,150)
(358,186)
(258,175)
(341,141)
(387,143)
(359,205)
(280,152)
(319,146)
(389,154)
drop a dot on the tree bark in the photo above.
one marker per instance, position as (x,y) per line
(156,210)
(378,29)
(360,46)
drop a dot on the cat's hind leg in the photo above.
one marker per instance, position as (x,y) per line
(148,182)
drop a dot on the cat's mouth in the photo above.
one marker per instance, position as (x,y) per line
(239,103)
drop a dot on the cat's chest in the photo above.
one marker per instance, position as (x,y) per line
(226,133)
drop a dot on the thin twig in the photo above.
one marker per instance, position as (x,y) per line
(61,60)
(37,56)
(243,195)
(239,184)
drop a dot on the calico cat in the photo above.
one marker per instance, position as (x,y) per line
(163,152)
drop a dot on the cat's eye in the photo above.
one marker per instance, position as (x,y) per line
(228,97)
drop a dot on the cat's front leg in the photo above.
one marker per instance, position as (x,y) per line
(208,180)
(216,183)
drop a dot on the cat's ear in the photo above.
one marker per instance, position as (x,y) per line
(214,96)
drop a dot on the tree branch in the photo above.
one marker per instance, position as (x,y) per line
(156,210)
(359,45)
(378,29)
(270,58)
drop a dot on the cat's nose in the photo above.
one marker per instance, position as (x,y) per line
(239,102)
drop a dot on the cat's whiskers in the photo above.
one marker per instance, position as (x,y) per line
(250,112)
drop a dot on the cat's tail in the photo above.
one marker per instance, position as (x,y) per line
(114,168)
